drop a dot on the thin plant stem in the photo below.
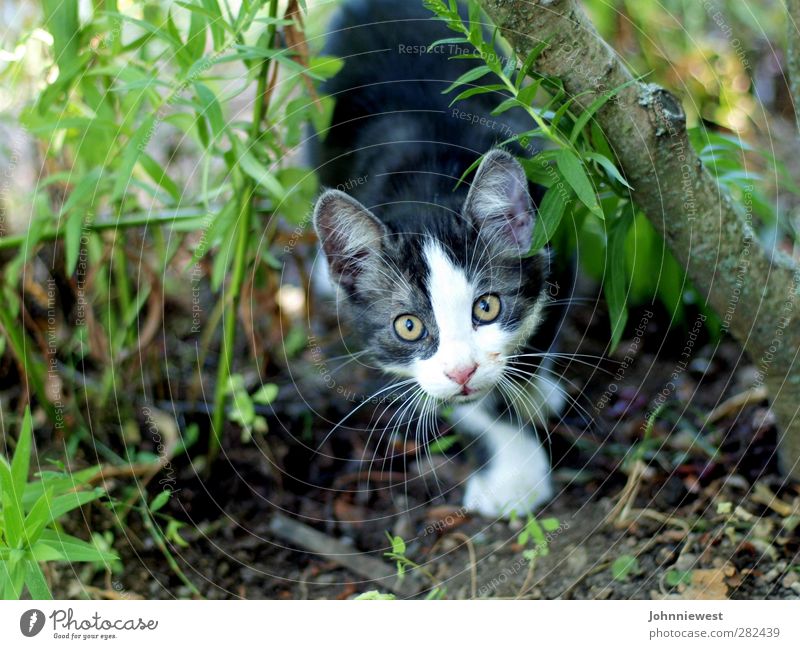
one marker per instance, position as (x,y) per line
(240,260)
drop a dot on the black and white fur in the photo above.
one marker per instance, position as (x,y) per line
(403,241)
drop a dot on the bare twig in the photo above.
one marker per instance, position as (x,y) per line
(315,542)
(735,403)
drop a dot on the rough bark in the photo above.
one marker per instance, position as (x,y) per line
(754,290)
(793,53)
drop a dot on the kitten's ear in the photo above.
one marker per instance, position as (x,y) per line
(350,234)
(499,202)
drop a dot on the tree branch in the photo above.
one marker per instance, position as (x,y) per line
(793,53)
(752,289)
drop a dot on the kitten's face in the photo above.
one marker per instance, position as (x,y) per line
(447,298)
(474,317)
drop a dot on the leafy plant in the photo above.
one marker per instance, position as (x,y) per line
(624,567)
(675,578)
(533,536)
(243,410)
(398,555)
(29,532)
(130,91)
(587,203)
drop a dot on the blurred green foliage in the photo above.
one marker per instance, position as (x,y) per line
(30,533)
(677,44)
(170,134)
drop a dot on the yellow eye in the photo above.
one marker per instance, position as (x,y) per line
(409,327)
(486,308)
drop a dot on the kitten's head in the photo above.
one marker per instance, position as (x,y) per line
(444,297)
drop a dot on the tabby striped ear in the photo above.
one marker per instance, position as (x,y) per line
(350,234)
(499,203)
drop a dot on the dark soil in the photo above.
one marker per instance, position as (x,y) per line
(690,510)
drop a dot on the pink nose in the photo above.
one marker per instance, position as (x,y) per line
(462,374)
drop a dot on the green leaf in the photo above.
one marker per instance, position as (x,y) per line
(48,509)
(70,548)
(64,504)
(468,171)
(217,24)
(596,105)
(549,216)
(478,90)
(675,578)
(20,465)
(69,70)
(159,176)
(58,481)
(537,534)
(301,189)
(180,53)
(62,22)
(610,167)
(88,185)
(219,229)
(527,94)
(271,20)
(599,141)
(324,67)
(511,102)
(556,118)
(219,269)
(295,341)
(133,148)
(211,109)
(455,40)
(624,567)
(398,545)
(441,444)
(574,173)
(258,172)
(529,61)
(160,500)
(12,577)
(209,10)
(38,517)
(615,285)
(168,36)
(35,581)
(72,241)
(46,552)
(550,524)
(266,394)
(12,507)
(173,533)
(196,38)
(475,22)
(242,410)
(468,77)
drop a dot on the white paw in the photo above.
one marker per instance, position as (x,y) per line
(517,480)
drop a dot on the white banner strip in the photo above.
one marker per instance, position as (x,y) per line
(388,624)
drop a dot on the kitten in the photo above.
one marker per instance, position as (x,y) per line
(437,280)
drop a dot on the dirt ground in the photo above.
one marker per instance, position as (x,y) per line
(694,508)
